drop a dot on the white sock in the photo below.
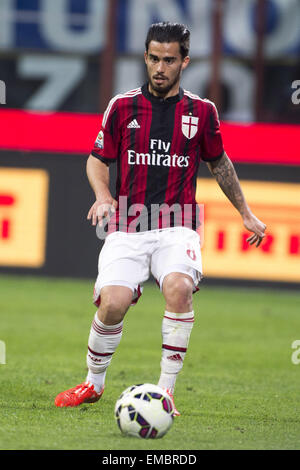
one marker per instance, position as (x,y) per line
(103,341)
(96,379)
(176,331)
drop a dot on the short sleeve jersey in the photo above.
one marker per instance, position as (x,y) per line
(158,145)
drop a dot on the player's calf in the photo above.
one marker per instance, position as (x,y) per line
(176,331)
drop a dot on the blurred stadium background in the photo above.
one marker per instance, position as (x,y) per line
(60,63)
(62,60)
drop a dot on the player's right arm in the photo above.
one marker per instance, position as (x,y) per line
(105,152)
(98,176)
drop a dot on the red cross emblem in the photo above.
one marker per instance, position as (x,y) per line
(189,126)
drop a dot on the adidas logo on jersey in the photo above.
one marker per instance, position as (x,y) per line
(133,125)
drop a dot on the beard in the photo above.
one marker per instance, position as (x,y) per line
(164,88)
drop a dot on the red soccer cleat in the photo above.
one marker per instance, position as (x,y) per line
(175,412)
(83,393)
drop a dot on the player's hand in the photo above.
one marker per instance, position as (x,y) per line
(102,209)
(253,224)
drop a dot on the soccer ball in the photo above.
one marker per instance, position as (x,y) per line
(144,411)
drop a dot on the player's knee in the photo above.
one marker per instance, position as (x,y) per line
(114,305)
(178,290)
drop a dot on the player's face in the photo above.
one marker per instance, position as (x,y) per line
(164,66)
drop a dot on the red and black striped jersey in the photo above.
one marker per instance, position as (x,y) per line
(158,145)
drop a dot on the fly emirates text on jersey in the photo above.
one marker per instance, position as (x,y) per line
(158,159)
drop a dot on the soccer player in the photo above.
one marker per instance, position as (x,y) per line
(157,134)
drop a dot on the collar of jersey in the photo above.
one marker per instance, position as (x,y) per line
(157,99)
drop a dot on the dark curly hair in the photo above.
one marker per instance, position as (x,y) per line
(170,32)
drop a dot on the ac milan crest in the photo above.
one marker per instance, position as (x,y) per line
(189,126)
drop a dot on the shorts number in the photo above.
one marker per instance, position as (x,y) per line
(191,254)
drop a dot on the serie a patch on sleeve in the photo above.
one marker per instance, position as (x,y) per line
(100,140)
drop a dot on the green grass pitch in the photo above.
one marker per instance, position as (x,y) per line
(238,388)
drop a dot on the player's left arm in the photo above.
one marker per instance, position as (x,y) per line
(225,175)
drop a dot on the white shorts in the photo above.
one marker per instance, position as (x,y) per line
(128,259)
